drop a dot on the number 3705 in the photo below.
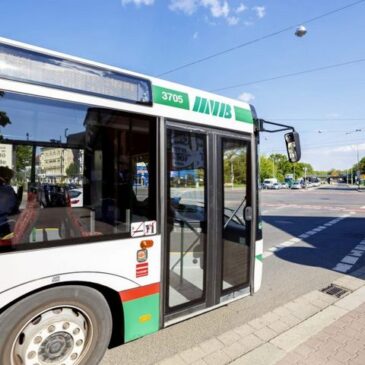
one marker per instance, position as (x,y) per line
(172,97)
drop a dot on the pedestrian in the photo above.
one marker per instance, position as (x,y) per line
(8,200)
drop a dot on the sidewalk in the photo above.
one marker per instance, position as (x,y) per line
(315,329)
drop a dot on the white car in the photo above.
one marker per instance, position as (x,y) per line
(76,198)
(296,185)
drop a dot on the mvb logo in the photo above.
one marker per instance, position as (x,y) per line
(205,106)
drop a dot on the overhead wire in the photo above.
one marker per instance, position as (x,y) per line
(316,69)
(256,40)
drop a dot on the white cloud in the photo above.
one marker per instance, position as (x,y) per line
(216,8)
(350,148)
(138,2)
(186,6)
(233,20)
(241,8)
(195,35)
(260,11)
(246,97)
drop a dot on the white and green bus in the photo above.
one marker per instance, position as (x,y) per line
(127,204)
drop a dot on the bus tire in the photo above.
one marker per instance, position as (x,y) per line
(65,324)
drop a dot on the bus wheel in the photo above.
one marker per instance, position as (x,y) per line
(68,325)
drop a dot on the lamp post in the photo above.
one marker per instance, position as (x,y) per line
(357,158)
(232,173)
(305,177)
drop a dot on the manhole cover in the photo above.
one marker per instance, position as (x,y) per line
(335,291)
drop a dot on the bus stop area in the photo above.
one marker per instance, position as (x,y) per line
(316,328)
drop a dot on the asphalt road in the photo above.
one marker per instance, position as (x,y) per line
(332,220)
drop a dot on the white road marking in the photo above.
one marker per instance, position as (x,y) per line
(312,232)
(349,260)
(286,244)
(342,267)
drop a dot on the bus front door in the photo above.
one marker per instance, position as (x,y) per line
(207,239)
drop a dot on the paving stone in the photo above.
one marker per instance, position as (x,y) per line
(279,326)
(200,362)
(265,334)
(244,330)
(250,342)
(266,354)
(235,350)
(282,311)
(304,350)
(211,345)
(270,318)
(333,361)
(174,360)
(291,320)
(302,332)
(217,358)
(291,358)
(343,356)
(257,323)
(350,282)
(229,337)
(193,354)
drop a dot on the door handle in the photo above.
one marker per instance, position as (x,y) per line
(248,214)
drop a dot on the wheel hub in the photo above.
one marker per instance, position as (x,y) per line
(58,336)
(56,347)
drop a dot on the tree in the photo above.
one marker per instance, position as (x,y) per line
(72,170)
(277,165)
(4,119)
(23,157)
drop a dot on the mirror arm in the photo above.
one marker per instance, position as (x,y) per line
(261,126)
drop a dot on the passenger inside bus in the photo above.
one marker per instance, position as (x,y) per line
(79,172)
(8,201)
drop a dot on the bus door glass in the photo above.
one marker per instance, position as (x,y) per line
(207,238)
(186,217)
(235,238)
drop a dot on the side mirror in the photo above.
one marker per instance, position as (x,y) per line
(293,146)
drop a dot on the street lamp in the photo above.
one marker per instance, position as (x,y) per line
(232,173)
(305,177)
(357,157)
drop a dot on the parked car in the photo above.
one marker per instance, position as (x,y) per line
(296,185)
(76,197)
(276,186)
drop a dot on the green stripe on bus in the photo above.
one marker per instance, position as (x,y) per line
(243,115)
(174,98)
(141,317)
(259,257)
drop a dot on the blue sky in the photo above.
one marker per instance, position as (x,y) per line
(153,36)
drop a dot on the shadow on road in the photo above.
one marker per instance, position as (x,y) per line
(323,249)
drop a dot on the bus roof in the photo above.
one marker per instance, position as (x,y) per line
(30,69)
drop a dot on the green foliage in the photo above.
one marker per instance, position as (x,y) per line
(361,166)
(23,157)
(72,170)
(277,165)
(235,166)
